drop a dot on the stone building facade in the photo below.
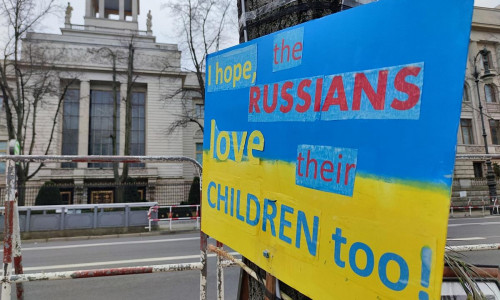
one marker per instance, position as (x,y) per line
(82,54)
(469,175)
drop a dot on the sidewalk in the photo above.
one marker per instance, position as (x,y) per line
(476,213)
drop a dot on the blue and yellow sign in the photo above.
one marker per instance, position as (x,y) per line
(331,146)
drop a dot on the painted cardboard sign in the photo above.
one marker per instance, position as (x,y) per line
(331,145)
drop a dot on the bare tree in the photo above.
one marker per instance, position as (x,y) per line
(29,82)
(204,29)
(126,58)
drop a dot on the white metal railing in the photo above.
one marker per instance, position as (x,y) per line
(12,258)
(155,210)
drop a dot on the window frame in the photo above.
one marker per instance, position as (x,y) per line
(198,152)
(92,136)
(470,130)
(65,151)
(465,94)
(494,131)
(492,95)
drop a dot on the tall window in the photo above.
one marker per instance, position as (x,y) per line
(3,151)
(199,152)
(495,131)
(198,110)
(466,130)
(71,112)
(465,96)
(487,62)
(489,91)
(478,169)
(137,134)
(101,125)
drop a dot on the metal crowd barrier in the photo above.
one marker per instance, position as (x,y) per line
(493,207)
(12,257)
(154,211)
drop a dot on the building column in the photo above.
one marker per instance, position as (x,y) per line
(122,10)
(88,9)
(101,9)
(134,10)
(83,124)
(123,108)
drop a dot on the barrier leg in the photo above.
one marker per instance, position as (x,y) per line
(18,258)
(170,217)
(220,275)
(8,229)
(197,217)
(203,274)
(270,287)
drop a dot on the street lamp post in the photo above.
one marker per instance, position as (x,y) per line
(490,175)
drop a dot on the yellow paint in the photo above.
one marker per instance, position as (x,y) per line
(223,135)
(237,74)
(252,145)
(247,67)
(238,152)
(255,142)
(209,75)
(394,217)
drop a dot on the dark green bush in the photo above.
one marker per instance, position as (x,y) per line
(131,193)
(48,194)
(194,192)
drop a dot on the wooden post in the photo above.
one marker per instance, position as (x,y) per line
(270,287)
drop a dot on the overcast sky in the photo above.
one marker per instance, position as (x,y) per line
(163,25)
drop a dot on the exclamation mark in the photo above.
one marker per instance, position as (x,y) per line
(426,256)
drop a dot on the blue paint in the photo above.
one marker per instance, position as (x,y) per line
(211,185)
(404,273)
(370,259)
(426,257)
(222,198)
(286,45)
(310,236)
(292,114)
(423,295)
(269,216)
(241,62)
(253,199)
(238,215)
(326,168)
(284,223)
(387,148)
(339,241)
(367,111)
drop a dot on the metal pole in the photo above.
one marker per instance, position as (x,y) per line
(244,18)
(490,175)
(220,274)
(203,273)
(18,258)
(8,228)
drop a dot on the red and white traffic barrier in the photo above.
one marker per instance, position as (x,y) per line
(470,207)
(154,211)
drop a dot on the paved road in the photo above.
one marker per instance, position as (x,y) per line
(122,252)
(176,248)
(473,231)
